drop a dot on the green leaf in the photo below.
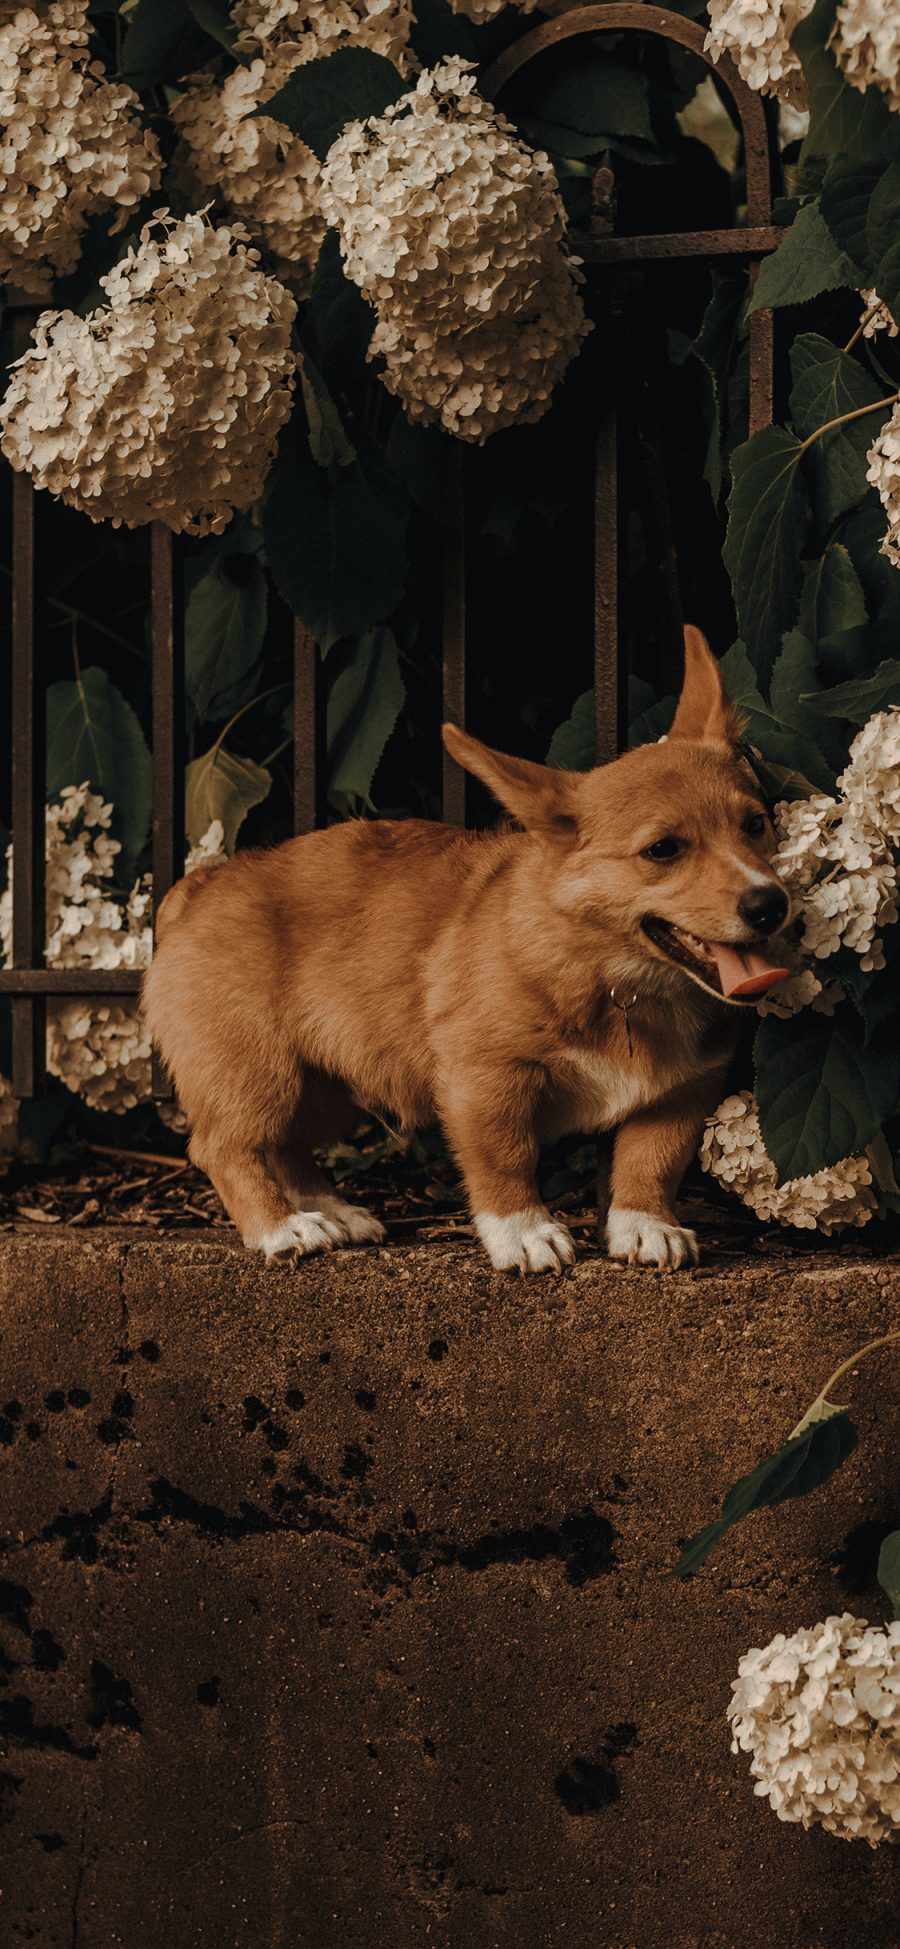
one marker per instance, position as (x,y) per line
(320,98)
(225,623)
(336,546)
(328,443)
(882,220)
(873,991)
(92,733)
(843,120)
(833,613)
(807,263)
(364,703)
(822,1091)
(164,40)
(221,785)
(886,280)
(794,679)
(846,196)
(573,745)
(589,94)
(800,763)
(856,701)
(437,30)
(716,346)
(889,1569)
(337,311)
(768,513)
(214,16)
(827,384)
(802,1464)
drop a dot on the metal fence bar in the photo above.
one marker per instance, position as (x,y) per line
(69,981)
(28,780)
(167,650)
(453,692)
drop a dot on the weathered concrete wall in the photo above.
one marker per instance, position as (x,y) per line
(335,1615)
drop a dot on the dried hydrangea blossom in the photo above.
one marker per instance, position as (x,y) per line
(883,472)
(820,1713)
(865,41)
(165,404)
(287,33)
(99,1049)
(481,10)
(870,785)
(882,318)
(256,169)
(454,231)
(733,1152)
(757,35)
(72,143)
(834,855)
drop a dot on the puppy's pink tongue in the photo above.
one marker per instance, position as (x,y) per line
(744,972)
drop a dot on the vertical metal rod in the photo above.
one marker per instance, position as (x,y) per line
(762,361)
(308,755)
(28,779)
(609,689)
(167,642)
(453,698)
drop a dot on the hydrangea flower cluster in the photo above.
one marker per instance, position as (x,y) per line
(820,1713)
(481,10)
(453,229)
(165,403)
(757,35)
(883,472)
(882,318)
(734,1154)
(99,1049)
(72,144)
(254,167)
(286,33)
(837,855)
(865,41)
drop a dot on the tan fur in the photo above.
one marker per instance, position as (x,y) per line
(406,966)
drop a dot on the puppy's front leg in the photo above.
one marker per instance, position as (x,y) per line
(652,1153)
(489,1120)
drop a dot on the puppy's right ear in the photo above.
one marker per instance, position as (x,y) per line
(539,797)
(705,713)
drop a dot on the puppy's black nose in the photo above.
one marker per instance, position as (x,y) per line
(763,908)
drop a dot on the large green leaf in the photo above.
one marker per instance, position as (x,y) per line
(855,701)
(328,443)
(794,681)
(802,1464)
(886,280)
(808,262)
(364,703)
(822,1091)
(573,746)
(798,757)
(846,198)
(768,513)
(166,39)
(589,94)
(93,734)
(828,384)
(882,219)
(336,545)
(225,623)
(221,785)
(337,311)
(833,613)
(320,98)
(889,1569)
(844,121)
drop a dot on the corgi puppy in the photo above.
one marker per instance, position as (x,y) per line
(577,971)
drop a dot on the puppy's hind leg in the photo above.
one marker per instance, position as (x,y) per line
(248,1184)
(325,1114)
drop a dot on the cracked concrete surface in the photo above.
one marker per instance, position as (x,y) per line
(334,1613)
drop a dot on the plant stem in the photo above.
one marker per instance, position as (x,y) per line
(867,315)
(232,721)
(842,418)
(844,1368)
(81,616)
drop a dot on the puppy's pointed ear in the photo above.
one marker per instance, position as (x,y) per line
(704,712)
(540,798)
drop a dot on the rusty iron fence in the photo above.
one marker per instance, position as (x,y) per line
(27,981)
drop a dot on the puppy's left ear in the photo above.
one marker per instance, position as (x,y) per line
(705,714)
(540,798)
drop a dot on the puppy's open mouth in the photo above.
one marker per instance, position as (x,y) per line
(731,972)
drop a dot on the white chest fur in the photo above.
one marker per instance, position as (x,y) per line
(595,1090)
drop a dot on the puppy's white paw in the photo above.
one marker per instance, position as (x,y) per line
(302,1233)
(526,1241)
(641,1239)
(360,1226)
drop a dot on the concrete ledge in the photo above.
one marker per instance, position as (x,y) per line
(335,1617)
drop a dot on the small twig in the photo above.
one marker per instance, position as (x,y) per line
(139,1156)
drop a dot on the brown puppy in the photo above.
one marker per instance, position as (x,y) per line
(516,984)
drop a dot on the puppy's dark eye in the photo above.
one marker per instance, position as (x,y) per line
(664,850)
(755,825)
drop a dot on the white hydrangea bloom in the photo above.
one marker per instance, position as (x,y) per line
(454,231)
(820,1714)
(100,1049)
(871,783)
(834,855)
(164,404)
(883,472)
(287,33)
(733,1152)
(253,166)
(865,41)
(882,319)
(72,144)
(757,35)
(481,10)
